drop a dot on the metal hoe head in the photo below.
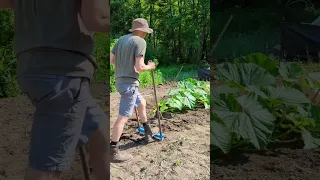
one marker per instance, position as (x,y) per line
(140,130)
(159,136)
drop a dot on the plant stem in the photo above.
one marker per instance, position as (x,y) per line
(239,144)
(288,132)
(316,95)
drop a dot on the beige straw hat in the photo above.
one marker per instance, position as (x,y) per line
(140,24)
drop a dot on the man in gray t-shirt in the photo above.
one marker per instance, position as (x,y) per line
(128,58)
(54,48)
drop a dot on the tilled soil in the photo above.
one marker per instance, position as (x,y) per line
(184,154)
(279,164)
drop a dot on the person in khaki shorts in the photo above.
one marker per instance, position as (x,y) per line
(128,58)
(54,47)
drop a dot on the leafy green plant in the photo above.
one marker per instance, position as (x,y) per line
(261,102)
(8,78)
(190,94)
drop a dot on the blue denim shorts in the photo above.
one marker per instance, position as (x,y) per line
(66,115)
(130,98)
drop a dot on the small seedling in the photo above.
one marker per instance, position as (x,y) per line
(177,162)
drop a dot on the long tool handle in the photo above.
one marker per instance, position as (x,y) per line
(135,109)
(84,162)
(156,99)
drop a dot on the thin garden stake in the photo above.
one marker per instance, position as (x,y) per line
(175,79)
(214,47)
(220,36)
(85,166)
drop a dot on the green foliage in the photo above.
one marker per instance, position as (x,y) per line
(190,94)
(254,29)
(252,109)
(8,77)
(181,28)
(102,54)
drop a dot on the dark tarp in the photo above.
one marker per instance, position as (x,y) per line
(300,41)
(204,74)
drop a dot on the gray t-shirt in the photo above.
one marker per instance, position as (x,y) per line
(51,39)
(126,50)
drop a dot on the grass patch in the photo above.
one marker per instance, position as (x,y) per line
(310,67)
(234,45)
(162,75)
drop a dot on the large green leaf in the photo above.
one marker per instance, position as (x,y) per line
(187,99)
(220,136)
(256,90)
(174,92)
(290,71)
(310,142)
(244,74)
(186,85)
(175,103)
(249,119)
(289,96)
(261,60)
(225,89)
(315,78)
(198,92)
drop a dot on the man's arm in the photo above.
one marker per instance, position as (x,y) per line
(7,4)
(96,15)
(140,66)
(112,58)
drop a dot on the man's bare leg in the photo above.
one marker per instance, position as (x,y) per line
(142,112)
(118,128)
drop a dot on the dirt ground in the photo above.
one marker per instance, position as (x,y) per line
(184,154)
(279,164)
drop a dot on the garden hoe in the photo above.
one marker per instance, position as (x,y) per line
(158,136)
